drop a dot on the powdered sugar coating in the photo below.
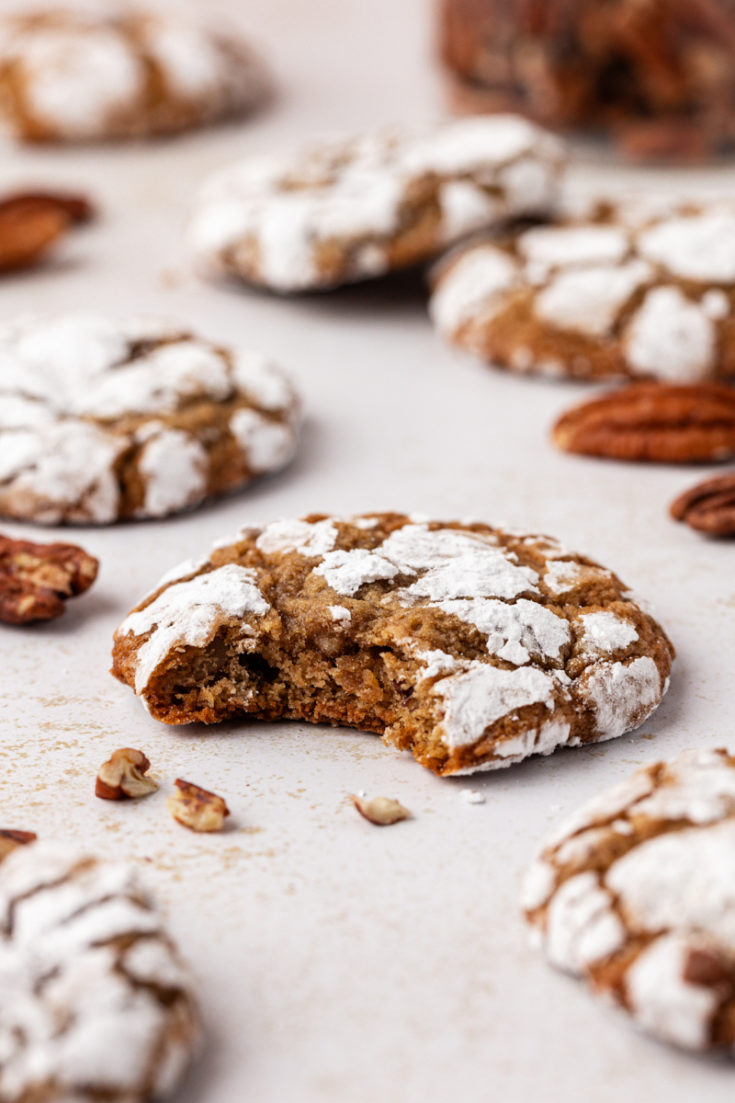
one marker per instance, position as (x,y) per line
(698,247)
(480,280)
(89,405)
(605,633)
(94,995)
(589,300)
(189,613)
(672,337)
(648,294)
(272,219)
(86,75)
(636,890)
(512,672)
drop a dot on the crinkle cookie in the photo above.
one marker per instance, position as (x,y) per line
(642,296)
(636,893)
(71,75)
(96,1003)
(340,211)
(469,646)
(101,421)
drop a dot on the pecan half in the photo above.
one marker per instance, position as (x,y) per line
(35,579)
(122,777)
(709,506)
(10,839)
(31,221)
(197,808)
(654,422)
(382,811)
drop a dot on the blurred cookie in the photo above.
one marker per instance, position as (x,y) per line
(335,212)
(96,1003)
(471,647)
(101,421)
(636,893)
(647,295)
(70,75)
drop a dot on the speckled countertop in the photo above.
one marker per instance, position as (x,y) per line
(338,962)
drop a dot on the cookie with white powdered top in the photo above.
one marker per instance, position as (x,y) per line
(469,646)
(338,211)
(621,293)
(102,420)
(107,71)
(636,893)
(96,1002)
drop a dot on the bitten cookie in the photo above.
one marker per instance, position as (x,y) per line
(339,211)
(96,1003)
(636,892)
(641,296)
(471,647)
(78,75)
(101,421)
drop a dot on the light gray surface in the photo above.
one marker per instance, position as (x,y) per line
(337,961)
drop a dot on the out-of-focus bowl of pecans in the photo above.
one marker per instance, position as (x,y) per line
(656,75)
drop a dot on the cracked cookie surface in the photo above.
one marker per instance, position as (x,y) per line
(81,75)
(101,421)
(96,1003)
(338,211)
(635,893)
(633,293)
(471,647)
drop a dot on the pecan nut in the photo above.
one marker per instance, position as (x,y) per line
(654,422)
(123,776)
(30,222)
(36,579)
(197,808)
(382,811)
(10,839)
(709,506)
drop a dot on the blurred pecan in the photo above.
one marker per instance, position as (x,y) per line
(10,839)
(123,776)
(35,579)
(657,422)
(709,506)
(382,811)
(197,808)
(31,221)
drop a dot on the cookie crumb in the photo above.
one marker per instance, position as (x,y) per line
(471,796)
(382,811)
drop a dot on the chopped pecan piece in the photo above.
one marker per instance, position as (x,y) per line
(10,839)
(655,422)
(709,506)
(122,777)
(36,579)
(382,811)
(197,808)
(30,222)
